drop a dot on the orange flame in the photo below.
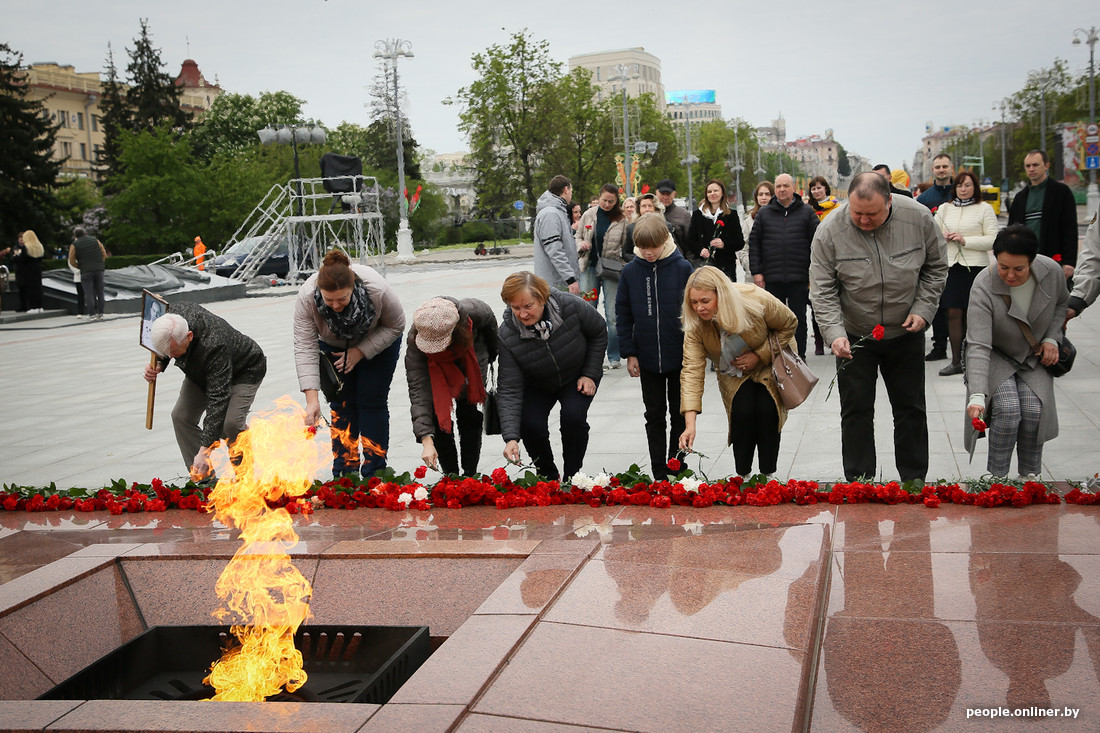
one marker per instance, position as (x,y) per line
(264,595)
(351,445)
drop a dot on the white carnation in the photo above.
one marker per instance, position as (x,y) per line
(602,479)
(405,498)
(420,494)
(690,484)
(582,482)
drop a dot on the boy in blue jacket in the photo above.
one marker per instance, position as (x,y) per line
(651,337)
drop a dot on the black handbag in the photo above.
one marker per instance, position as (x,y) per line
(492,412)
(609,268)
(331,384)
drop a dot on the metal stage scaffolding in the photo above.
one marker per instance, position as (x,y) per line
(314,220)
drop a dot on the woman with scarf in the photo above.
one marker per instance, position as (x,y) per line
(821,197)
(349,315)
(714,235)
(969,225)
(449,348)
(551,352)
(27,257)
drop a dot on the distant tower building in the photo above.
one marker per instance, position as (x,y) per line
(198,93)
(602,65)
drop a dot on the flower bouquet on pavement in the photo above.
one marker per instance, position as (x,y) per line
(876,333)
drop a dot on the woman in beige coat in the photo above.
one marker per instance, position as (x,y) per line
(729,324)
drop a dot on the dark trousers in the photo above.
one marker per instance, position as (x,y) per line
(467,423)
(754,428)
(901,361)
(661,396)
(534,428)
(362,409)
(93,292)
(795,296)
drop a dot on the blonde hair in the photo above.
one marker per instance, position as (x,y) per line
(32,245)
(734,310)
(650,231)
(524,282)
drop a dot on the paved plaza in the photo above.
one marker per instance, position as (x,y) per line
(565,618)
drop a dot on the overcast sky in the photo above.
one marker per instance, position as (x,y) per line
(873,72)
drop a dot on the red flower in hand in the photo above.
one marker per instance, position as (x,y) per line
(719,223)
(1057,258)
(979,424)
(421,472)
(673,464)
(587,226)
(878,332)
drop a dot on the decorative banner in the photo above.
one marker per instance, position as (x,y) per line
(415,200)
(620,172)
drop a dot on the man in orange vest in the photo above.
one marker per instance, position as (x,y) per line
(199,252)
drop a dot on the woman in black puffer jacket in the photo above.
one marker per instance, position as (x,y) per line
(551,347)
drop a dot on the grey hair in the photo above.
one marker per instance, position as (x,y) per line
(167,330)
(868,185)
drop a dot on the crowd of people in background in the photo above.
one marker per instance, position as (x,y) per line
(871,271)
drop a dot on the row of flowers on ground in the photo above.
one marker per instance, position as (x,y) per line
(401,492)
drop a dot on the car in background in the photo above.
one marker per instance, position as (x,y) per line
(277,265)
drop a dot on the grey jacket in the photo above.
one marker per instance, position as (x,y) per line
(862,279)
(1086,278)
(613,240)
(555,249)
(421,405)
(575,349)
(310,327)
(996,348)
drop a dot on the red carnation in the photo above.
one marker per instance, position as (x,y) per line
(979,424)
(421,472)
(673,464)
(878,332)
(1057,258)
(719,223)
(587,226)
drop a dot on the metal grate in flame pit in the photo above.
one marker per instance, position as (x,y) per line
(358,664)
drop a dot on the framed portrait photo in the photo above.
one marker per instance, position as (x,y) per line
(152,307)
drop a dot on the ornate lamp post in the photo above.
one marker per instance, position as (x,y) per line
(390,49)
(624,73)
(293,134)
(1090,37)
(1004,157)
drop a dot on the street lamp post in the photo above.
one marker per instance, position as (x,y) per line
(641,147)
(390,49)
(736,167)
(1004,158)
(1090,36)
(624,73)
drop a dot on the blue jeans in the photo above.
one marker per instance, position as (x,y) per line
(362,409)
(589,281)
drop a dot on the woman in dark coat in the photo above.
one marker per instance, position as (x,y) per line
(447,354)
(551,351)
(27,259)
(715,233)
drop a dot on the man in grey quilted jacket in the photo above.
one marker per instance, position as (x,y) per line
(555,248)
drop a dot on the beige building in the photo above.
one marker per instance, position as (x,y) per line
(71,99)
(818,155)
(604,67)
(455,179)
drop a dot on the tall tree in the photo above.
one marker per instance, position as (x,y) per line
(27,168)
(114,117)
(152,96)
(582,149)
(506,114)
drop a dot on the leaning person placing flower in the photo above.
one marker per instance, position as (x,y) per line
(448,351)
(881,259)
(551,351)
(730,324)
(351,315)
(1006,380)
(222,370)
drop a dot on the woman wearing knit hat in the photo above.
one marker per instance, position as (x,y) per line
(448,350)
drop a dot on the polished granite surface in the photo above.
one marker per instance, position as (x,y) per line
(791,618)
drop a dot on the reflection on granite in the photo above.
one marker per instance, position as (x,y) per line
(149,715)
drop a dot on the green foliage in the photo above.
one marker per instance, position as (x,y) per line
(506,113)
(231,123)
(27,170)
(843,167)
(375,145)
(161,194)
(76,198)
(583,149)
(152,97)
